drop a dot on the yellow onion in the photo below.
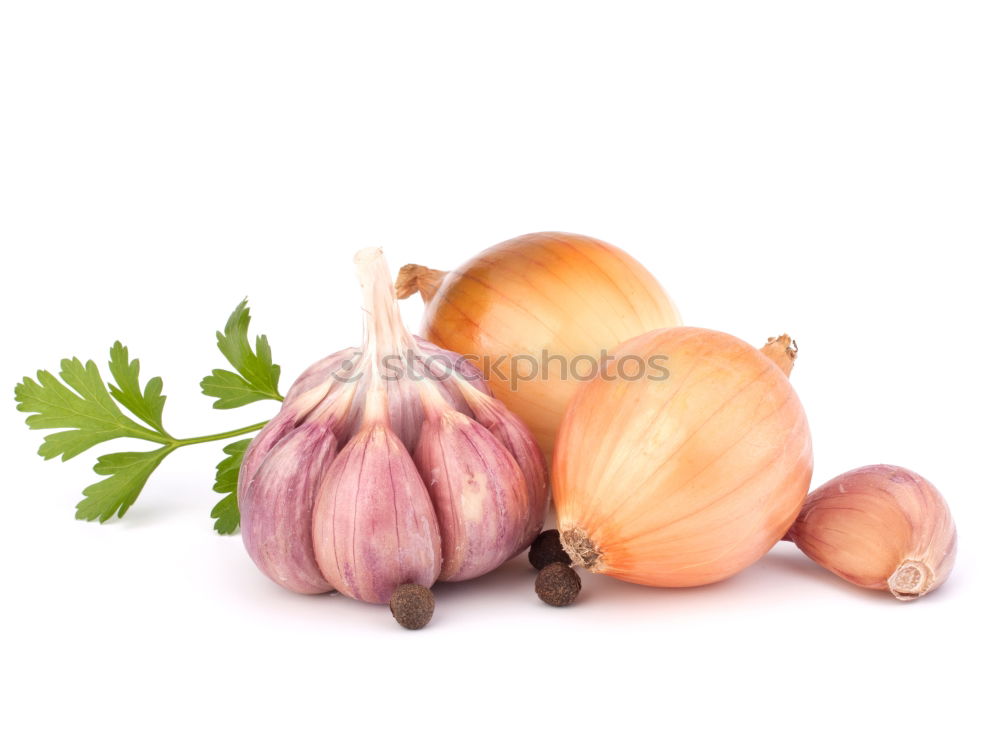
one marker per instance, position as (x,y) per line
(688,479)
(543,305)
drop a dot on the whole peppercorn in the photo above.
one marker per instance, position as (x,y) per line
(557,584)
(412,605)
(547,549)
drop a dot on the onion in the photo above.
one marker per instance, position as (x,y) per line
(686,480)
(540,302)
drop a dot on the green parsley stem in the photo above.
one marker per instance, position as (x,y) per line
(221,435)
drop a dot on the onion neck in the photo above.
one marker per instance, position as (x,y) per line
(782,351)
(417,278)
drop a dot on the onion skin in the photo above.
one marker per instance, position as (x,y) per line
(565,294)
(683,481)
(880,527)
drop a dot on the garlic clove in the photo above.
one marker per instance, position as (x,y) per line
(479,493)
(373,525)
(516,437)
(406,415)
(265,441)
(880,527)
(290,416)
(276,509)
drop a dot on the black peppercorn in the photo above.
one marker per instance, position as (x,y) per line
(547,549)
(557,584)
(412,605)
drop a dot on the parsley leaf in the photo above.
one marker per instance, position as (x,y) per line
(89,414)
(232,390)
(113,496)
(256,376)
(90,411)
(146,404)
(226,513)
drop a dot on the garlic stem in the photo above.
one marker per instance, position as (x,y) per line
(384,328)
(384,332)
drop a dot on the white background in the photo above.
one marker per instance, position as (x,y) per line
(825,169)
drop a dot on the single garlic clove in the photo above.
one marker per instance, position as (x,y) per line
(406,415)
(265,441)
(479,493)
(276,509)
(373,523)
(287,419)
(881,527)
(515,436)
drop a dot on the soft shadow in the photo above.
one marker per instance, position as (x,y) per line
(514,575)
(147,513)
(793,562)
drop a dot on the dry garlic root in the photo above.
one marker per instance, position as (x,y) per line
(881,527)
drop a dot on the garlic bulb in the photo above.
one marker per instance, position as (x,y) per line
(389,464)
(881,527)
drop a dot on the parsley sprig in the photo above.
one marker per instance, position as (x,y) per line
(90,411)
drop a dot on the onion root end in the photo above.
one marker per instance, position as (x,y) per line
(581,549)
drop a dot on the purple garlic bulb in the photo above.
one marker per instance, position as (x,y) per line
(387,464)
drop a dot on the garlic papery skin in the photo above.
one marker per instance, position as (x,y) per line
(880,527)
(686,479)
(516,438)
(374,527)
(343,367)
(284,423)
(479,493)
(277,510)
